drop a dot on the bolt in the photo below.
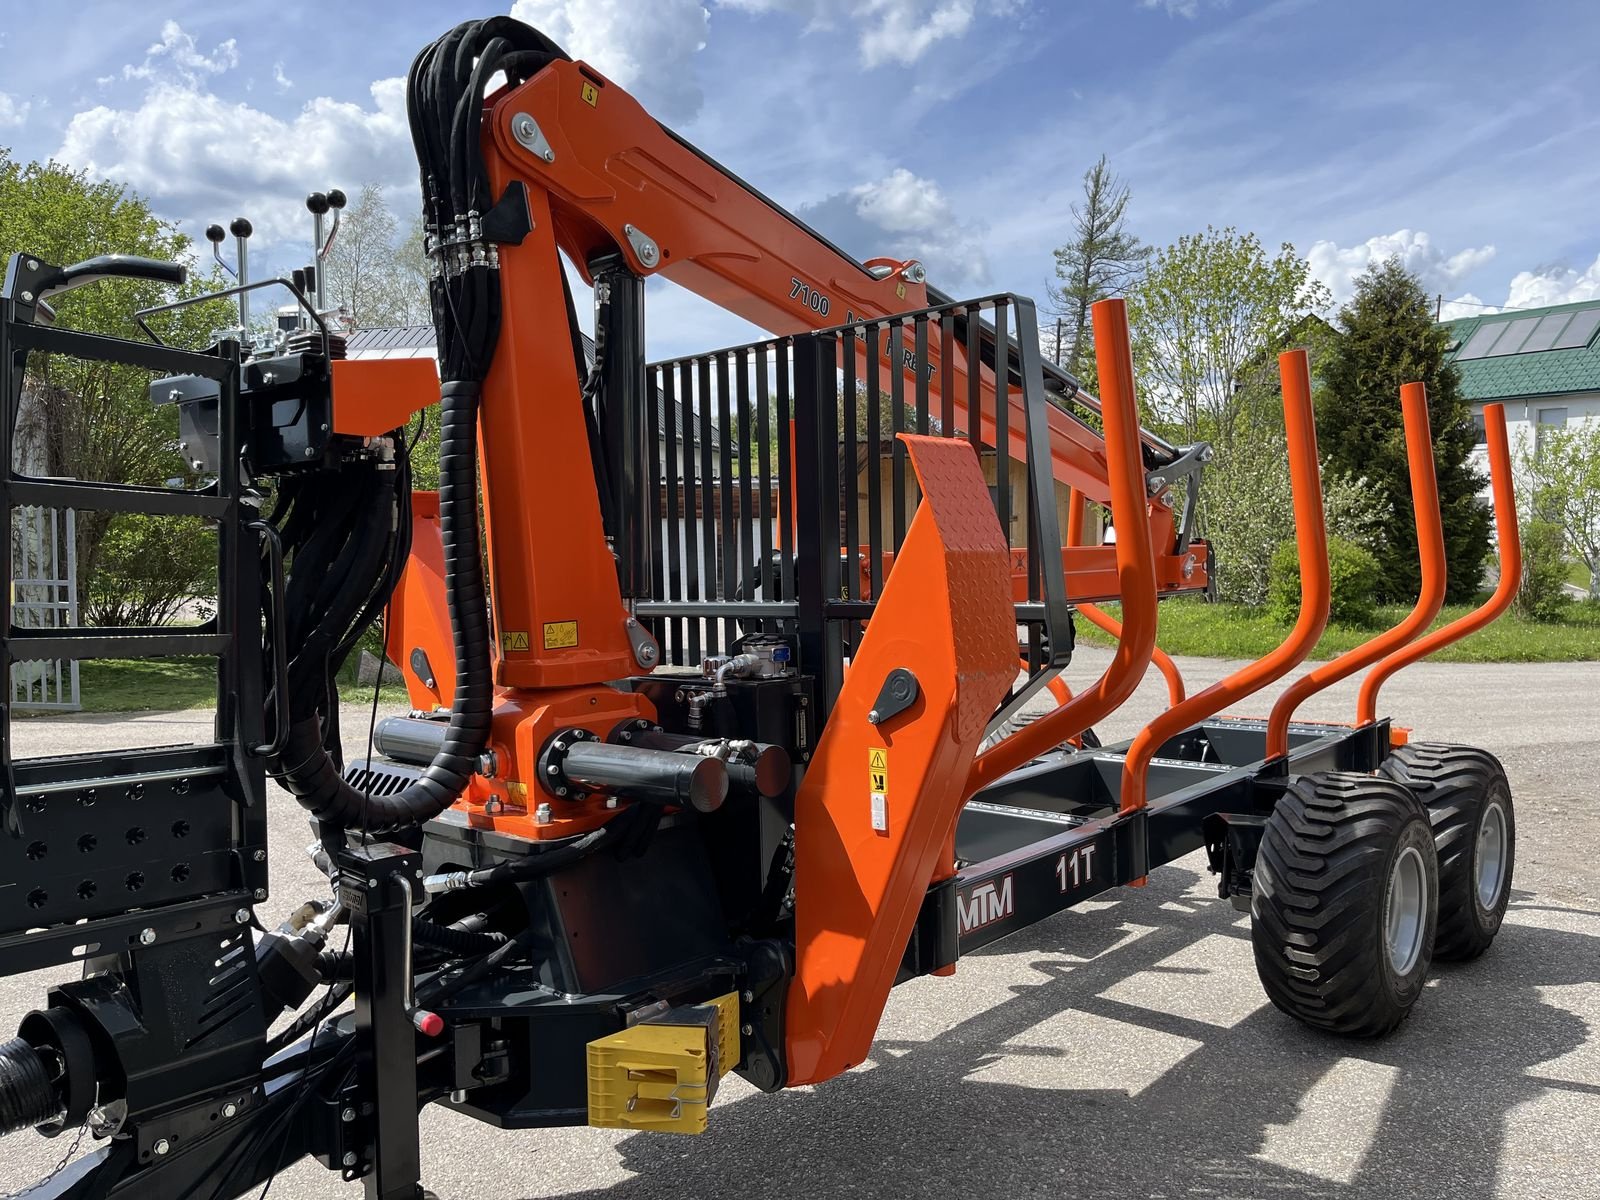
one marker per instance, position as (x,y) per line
(323,427)
(874,716)
(147,937)
(561,791)
(548,156)
(560,747)
(161,1147)
(33,264)
(625,736)
(492,805)
(230,1110)
(647,654)
(311,452)
(1188,566)
(269,378)
(349,1158)
(242,916)
(552,770)
(27,297)
(747,996)
(541,814)
(260,856)
(805,702)
(348,1115)
(459,1096)
(747,1030)
(523,126)
(260,893)
(611,801)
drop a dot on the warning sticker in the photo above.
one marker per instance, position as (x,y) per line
(514,641)
(878,771)
(560,635)
(590,94)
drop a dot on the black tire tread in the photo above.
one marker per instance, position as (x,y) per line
(1451,782)
(1319,873)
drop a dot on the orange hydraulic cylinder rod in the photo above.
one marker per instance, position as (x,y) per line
(1136,566)
(1311,540)
(1103,620)
(1505,521)
(1430,549)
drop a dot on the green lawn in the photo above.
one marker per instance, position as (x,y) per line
(1578,575)
(170,684)
(1191,626)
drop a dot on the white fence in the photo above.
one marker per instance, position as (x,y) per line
(44,595)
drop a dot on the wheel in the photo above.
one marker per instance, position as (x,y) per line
(1344,903)
(1468,800)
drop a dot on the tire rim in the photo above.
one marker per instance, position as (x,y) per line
(1489,856)
(1406,910)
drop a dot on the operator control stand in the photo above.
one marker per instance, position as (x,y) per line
(377,882)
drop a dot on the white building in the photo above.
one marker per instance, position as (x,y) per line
(1543,364)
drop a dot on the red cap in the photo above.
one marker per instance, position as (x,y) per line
(427,1023)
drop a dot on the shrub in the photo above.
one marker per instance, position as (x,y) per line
(147,569)
(1353,573)
(1247,509)
(1542,595)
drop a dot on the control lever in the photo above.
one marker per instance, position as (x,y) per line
(319,204)
(111,266)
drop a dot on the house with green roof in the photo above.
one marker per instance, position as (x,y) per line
(1543,364)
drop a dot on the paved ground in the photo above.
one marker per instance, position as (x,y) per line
(1125,1048)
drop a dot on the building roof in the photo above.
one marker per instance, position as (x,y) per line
(1528,352)
(420,341)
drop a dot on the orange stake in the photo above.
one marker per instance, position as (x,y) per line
(1103,620)
(1311,539)
(1136,569)
(1505,521)
(1430,550)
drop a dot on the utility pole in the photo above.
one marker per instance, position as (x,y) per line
(1438,309)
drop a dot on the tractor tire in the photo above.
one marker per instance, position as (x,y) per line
(1344,903)
(1469,805)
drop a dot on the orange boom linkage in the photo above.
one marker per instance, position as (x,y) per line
(758,711)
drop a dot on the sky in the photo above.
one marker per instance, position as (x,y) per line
(1461,137)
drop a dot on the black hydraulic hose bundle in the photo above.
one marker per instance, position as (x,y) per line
(350,541)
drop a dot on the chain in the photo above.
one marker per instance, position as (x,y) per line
(61,1166)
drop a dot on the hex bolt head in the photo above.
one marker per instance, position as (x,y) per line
(242,916)
(230,1110)
(747,995)
(147,937)
(747,1030)
(349,1158)
(161,1147)
(260,893)
(541,814)
(259,856)
(27,297)
(347,1115)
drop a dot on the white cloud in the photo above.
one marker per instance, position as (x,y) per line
(647,48)
(1465,305)
(12,111)
(281,81)
(899,31)
(1337,266)
(1554,285)
(178,54)
(200,158)
(905,216)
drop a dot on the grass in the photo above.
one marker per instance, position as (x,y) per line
(1190,626)
(173,684)
(1578,575)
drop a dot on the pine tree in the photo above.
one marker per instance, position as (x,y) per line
(1388,337)
(1101,260)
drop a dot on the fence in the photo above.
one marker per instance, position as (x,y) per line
(44,573)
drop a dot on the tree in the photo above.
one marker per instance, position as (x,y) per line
(1101,260)
(1388,337)
(94,420)
(1207,307)
(378,276)
(1558,481)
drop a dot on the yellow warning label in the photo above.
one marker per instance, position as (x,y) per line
(900,290)
(878,771)
(514,641)
(560,635)
(590,94)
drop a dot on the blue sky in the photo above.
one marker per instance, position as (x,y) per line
(1462,137)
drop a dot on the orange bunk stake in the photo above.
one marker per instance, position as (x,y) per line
(1103,620)
(1311,540)
(1430,549)
(1505,521)
(1136,569)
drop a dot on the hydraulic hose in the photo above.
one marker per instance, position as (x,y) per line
(307,769)
(27,1097)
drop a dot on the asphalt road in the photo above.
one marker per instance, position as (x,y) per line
(1125,1048)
